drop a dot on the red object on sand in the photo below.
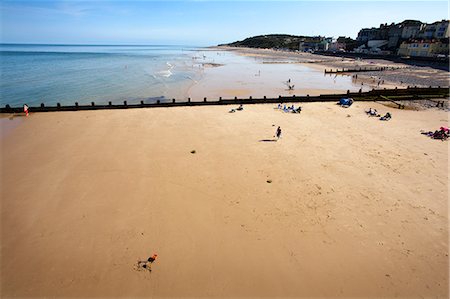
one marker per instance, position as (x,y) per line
(25,109)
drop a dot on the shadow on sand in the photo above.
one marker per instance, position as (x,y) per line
(268,140)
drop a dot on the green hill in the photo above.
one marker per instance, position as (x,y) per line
(271,41)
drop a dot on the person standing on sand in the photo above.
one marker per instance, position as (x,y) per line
(278,133)
(25,109)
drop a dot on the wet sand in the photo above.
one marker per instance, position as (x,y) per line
(242,75)
(342,206)
(264,72)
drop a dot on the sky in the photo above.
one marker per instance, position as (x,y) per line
(199,22)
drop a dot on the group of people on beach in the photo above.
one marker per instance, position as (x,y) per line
(374,79)
(374,112)
(290,109)
(288,83)
(442,134)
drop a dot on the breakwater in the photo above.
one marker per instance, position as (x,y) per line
(433,62)
(361,69)
(410,93)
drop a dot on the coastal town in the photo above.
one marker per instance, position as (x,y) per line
(410,38)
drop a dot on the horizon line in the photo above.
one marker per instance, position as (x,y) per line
(113,44)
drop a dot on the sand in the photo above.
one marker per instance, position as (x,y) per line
(264,72)
(355,207)
(257,73)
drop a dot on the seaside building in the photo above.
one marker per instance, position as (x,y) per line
(424,48)
(379,39)
(366,34)
(408,38)
(435,30)
(336,46)
(315,43)
(411,28)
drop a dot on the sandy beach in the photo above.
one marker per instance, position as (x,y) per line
(343,205)
(264,72)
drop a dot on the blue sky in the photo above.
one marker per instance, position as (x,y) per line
(198,22)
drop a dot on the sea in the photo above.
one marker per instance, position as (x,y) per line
(50,74)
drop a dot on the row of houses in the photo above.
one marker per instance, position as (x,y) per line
(321,43)
(408,38)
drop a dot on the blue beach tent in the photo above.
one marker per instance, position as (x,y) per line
(346,101)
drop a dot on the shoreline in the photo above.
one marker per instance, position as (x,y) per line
(416,76)
(244,74)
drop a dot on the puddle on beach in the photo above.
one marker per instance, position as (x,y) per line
(244,76)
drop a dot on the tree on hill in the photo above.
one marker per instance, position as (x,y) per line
(271,41)
(350,43)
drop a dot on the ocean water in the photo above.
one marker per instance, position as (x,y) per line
(49,74)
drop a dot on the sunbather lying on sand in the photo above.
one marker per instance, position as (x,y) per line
(147,264)
(441,134)
(372,112)
(387,116)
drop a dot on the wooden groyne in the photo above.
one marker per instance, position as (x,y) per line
(410,93)
(361,69)
(434,62)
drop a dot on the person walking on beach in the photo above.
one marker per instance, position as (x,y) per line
(25,109)
(278,133)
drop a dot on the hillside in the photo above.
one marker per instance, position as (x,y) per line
(276,41)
